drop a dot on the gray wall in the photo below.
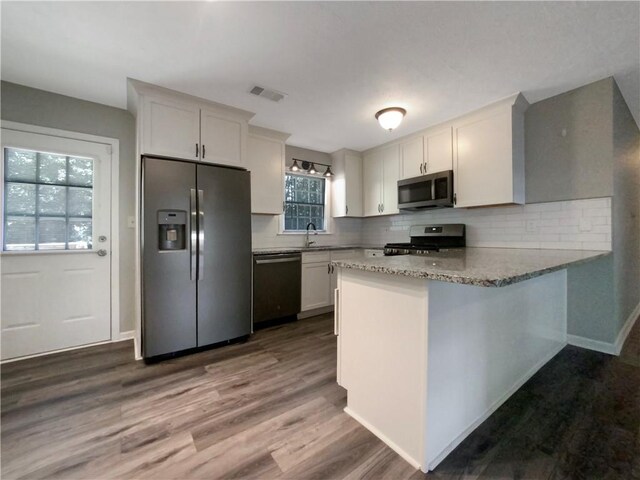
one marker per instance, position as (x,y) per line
(305,154)
(626,206)
(598,157)
(37,107)
(579,164)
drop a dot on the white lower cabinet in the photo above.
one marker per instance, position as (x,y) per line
(319,278)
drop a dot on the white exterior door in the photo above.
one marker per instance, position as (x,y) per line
(56,243)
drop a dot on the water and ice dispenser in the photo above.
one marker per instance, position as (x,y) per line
(172,229)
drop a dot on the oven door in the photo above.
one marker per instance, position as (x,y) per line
(428,191)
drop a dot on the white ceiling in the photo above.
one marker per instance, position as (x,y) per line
(338,62)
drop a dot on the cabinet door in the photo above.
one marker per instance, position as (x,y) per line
(483,163)
(390,176)
(372,183)
(411,157)
(316,286)
(222,138)
(265,160)
(438,148)
(353,185)
(170,128)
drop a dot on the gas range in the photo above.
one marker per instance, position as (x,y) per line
(428,239)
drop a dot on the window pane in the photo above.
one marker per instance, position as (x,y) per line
(52,233)
(21,165)
(52,200)
(20,198)
(20,233)
(53,168)
(80,201)
(80,171)
(80,233)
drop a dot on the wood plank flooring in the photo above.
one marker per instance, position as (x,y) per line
(270,408)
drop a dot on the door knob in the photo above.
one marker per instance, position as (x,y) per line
(102,253)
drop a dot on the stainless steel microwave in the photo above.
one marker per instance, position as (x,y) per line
(427,191)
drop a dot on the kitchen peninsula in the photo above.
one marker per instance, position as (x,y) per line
(427,349)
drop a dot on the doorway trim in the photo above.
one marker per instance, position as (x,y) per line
(114,145)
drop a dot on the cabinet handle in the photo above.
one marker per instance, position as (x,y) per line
(426,167)
(333,269)
(421,165)
(328,268)
(203,150)
(454,199)
(382,207)
(346,209)
(197,150)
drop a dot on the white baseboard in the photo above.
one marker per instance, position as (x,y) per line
(626,328)
(314,312)
(128,335)
(414,463)
(497,404)
(590,344)
(607,347)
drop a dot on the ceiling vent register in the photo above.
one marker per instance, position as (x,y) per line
(268,94)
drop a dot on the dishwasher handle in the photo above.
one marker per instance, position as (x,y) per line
(277,260)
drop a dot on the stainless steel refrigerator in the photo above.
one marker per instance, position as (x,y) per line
(196,255)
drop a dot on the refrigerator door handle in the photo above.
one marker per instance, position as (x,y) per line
(200,234)
(193,222)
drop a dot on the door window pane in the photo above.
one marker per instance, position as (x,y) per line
(20,198)
(52,168)
(52,200)
(52,233)
(80,234)
(80,201)
(20,233)
(80,171)
(20,165)
(48,201)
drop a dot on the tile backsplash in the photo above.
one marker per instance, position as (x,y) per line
(264,232)
(571,225)
(574,225)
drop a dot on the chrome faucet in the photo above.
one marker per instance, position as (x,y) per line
(307,243)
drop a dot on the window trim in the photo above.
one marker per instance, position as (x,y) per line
(327,202)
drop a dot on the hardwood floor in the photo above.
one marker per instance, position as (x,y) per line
(270,408)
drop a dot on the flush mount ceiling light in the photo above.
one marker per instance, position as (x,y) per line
(390,118)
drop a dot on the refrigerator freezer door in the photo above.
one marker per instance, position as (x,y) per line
(224,285)
(169,293)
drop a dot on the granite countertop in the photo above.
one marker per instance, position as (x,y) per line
(485,267)
(315,248)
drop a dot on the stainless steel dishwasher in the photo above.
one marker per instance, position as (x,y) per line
(276,286)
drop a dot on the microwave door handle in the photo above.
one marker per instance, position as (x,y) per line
(433,189)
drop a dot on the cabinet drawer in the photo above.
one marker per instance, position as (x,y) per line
(313,257)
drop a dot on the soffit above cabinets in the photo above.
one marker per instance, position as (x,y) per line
(339,62)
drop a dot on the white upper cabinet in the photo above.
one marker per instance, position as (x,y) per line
(175,125)
(223,138)
(438,150)
(381,172)
(171,128)
(489,155)
(266,161)
(346,184)
(412,157)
